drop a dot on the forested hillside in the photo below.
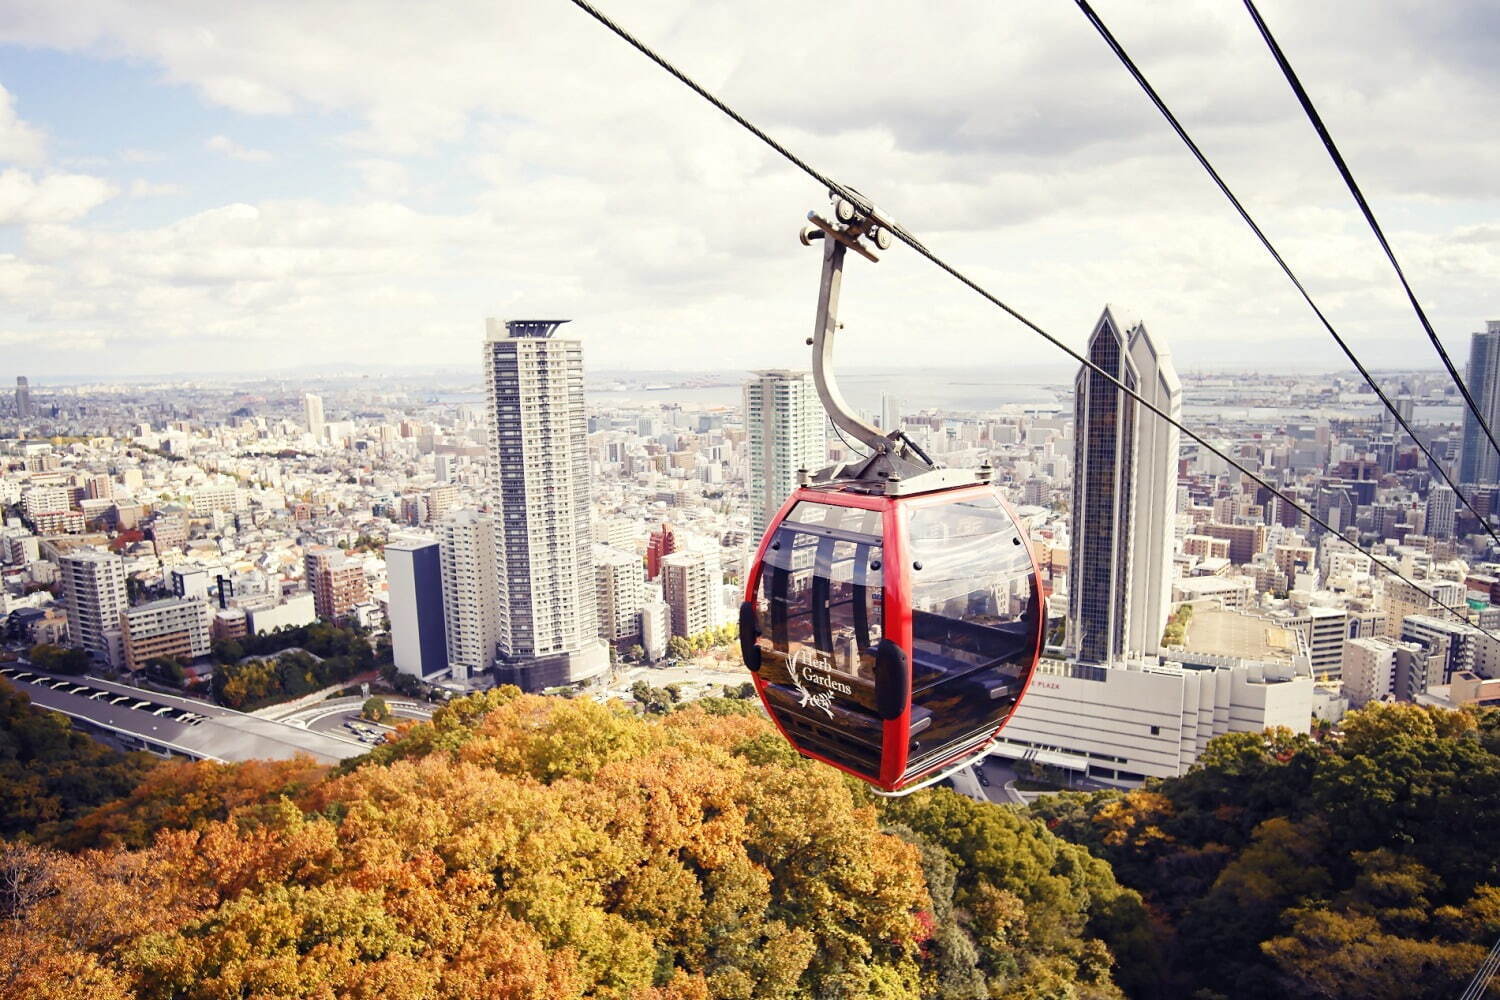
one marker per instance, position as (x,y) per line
(521,846)
(1283,868)
(534,847)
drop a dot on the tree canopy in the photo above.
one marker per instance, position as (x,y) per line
(50,774)
(1286,867)
(525,846)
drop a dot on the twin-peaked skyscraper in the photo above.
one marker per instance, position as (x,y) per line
(1124,496)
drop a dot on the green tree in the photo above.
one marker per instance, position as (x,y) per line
(59,659)
(376,709)
(50,774)
(227,650)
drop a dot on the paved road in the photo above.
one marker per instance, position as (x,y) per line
(332,715)
(186,726)
(695,680)
(1002,777)
(997,785)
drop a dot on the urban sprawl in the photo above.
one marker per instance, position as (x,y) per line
(197,567)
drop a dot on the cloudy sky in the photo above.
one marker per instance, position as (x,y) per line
(271,185)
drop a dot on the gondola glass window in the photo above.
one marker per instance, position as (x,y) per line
(820,610)
(974,623)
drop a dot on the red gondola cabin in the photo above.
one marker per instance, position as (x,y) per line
(892,636)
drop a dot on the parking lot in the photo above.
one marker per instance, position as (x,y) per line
(83,689)
(168,724)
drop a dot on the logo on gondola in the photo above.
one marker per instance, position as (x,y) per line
(797,668)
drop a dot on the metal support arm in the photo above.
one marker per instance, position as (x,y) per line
(826,328)
(895,465)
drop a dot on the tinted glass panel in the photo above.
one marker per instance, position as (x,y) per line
(820,607)
(974,624)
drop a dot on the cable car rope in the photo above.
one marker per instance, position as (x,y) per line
(847,443)
(1364,206)
(1140,78)
(1481,981)
(901,233)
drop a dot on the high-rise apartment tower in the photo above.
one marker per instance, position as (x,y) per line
(312,411)
(784,424)
(419,643)
(471,570)
(94,593)
(539,478)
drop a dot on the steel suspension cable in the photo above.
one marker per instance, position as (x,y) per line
(1481,981)
(1364,207)
(1265,241)
(864,205)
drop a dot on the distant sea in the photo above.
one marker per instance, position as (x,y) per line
(949,390)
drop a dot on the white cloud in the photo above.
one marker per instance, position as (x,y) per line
(73,340)
(573,174)
(53,198)
(19,142)
(228,147)
(140,188)
(384,178)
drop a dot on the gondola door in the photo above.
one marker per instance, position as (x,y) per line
(819,608)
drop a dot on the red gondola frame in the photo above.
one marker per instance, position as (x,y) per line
(896,621)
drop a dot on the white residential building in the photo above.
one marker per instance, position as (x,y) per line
(94,593)
(1441,513)
(540,488)
(620,581)
(472,576)
(656,629)
(40,500)
(784,428)
(1326,630)
(1370,669)
(690,584)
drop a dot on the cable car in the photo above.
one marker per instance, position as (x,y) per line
(893,617)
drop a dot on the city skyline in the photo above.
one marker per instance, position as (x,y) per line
(1120,619)
(550,513)
(263,207)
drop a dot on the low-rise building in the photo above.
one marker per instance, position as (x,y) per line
(1121,725)
(294,611)
(656,629)
(172,628)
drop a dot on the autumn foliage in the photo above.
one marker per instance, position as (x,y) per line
(1285,868)
(530,847)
